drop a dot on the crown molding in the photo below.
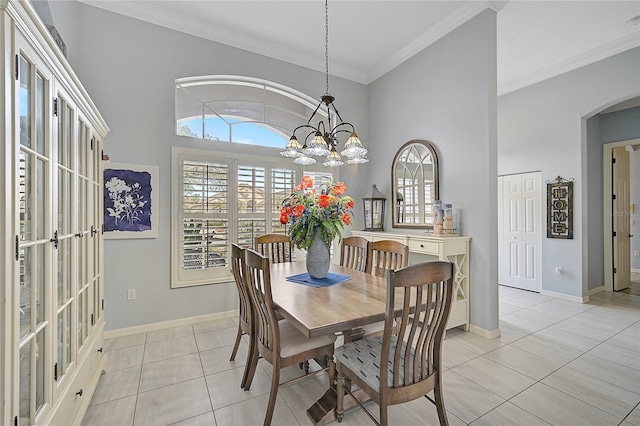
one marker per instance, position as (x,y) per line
(621,45)
(444,27)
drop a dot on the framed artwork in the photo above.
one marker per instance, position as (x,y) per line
(130,201)
(560,208)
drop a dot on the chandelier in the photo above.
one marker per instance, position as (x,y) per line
(324,142)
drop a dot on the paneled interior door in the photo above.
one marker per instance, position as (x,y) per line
(520,230)
(621,224)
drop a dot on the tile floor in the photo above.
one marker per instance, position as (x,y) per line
(556,362)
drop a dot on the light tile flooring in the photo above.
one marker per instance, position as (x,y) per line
(556,362)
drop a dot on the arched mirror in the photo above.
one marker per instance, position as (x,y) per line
(414,183)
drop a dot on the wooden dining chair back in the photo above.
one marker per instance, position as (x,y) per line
(278,341)
(355,253)
(388,255)
(411,360)
(278,248)
(245,323)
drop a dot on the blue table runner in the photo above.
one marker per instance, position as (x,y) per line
(329,280)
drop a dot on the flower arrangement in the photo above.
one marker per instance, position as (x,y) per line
(311,213)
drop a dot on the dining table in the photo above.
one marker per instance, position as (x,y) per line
(337,308)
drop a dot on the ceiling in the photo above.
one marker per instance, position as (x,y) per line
(536,39)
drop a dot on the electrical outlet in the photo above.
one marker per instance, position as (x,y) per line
(131,294)
(636,253)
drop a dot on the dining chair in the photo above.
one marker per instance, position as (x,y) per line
(355,253)
(386,255)
(245,323)
(278,341)
(404,363)
(277,247)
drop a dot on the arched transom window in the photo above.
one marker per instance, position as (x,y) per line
(240,109)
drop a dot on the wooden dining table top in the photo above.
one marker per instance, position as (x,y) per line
(322,310)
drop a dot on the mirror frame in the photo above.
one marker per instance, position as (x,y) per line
(394,189)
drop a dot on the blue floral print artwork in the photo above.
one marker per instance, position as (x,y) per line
(127,200)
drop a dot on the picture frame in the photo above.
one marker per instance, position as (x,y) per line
(131,201)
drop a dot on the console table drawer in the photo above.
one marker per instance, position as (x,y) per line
(427,247)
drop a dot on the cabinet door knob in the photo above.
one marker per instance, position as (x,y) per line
(100,350)
(421,245)
(79,393)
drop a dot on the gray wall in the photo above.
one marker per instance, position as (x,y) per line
(446,94)
(542,127)
(129,67)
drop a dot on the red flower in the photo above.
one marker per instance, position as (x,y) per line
(346,218)
(299,187)
(307,182)
(339,189)
(350,204)
(284,218)
(324,201)
(298,210)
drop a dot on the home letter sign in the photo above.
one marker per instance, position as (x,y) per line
(560,208)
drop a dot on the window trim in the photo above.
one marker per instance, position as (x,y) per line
(181,278)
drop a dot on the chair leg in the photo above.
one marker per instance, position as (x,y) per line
(248,363)
(252,363)
(306,367)
(340,395)
(235,346)
(439,398)
(275,379)
(384,415)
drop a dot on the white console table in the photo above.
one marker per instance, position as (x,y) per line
(454,249)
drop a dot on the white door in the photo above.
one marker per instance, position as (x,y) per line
(519,229)
(621,228)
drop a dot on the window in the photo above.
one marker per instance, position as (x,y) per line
(217,200)
(240,110)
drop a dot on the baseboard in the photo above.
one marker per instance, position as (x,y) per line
(483,332)
(577,299)
(635,275)
(145,328)
(596,290)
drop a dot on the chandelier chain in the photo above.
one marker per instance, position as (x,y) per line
(326,42)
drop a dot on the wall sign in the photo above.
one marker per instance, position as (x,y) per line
(560,208)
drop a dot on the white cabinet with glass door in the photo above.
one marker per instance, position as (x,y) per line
(51,199)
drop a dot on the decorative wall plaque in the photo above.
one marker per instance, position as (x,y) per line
(560,208)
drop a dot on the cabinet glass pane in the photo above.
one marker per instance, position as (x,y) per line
(68,142)
(26,285)
(64,201)
(96,298)
(38,273)
(61,197)
(82,204)
(25,102)
(61,129)
(64,340)
(26,199)
(40,113)
(40,197)
(40,355)
(25,385)
(81,317)
(64,271)
(82,148)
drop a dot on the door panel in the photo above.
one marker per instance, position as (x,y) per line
(621,225)
(520,230)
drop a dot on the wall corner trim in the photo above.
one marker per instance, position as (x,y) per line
(483,332)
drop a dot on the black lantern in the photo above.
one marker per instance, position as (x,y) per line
(373,204)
